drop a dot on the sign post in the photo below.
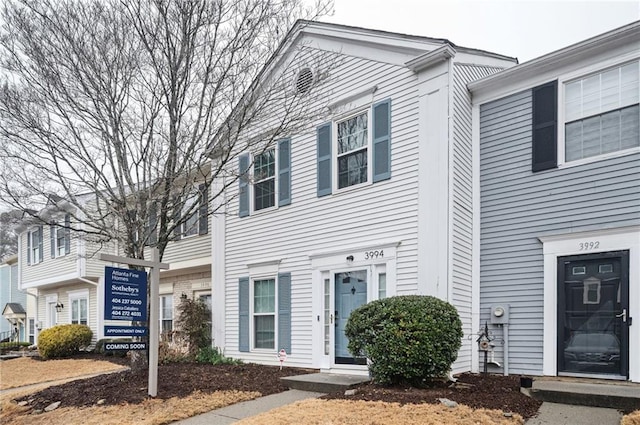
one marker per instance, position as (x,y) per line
(154,333)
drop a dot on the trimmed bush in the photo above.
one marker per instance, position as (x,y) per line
(63,340)
(408,339)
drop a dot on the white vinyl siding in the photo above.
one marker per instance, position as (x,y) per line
(461,207)
(311,223)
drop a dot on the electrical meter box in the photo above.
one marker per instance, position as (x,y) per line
(499,314)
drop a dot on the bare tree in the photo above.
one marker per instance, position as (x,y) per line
(115,106)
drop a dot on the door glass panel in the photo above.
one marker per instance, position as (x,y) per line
(327,315)
(591,333)
(351,293)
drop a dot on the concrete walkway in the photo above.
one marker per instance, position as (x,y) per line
(565,414)
(245,409)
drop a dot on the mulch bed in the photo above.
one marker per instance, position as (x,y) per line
(181,379)
(474,390)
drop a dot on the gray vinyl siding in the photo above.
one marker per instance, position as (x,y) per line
(518,206)
(462,209)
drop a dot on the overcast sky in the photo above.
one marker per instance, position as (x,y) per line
(523,29)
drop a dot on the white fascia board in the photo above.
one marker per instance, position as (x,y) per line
(51,281)
(429,59)
(539,70)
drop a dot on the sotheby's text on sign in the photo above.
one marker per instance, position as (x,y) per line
(125,294)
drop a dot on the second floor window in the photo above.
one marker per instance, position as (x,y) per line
(34,246)
(264,176)
(353,143)
(602,113)
(190,210)
(60,241)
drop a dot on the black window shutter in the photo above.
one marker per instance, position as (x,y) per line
(177,215)
(203,212)
(284,312)
(545,127)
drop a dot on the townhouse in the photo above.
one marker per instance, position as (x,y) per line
(371,198)
(557,201)
(59,267)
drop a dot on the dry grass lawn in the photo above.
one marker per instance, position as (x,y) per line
(150,412)
(631,419)
(25,370)
(344,412)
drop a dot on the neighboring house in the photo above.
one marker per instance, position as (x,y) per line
(58,264)
(371,199)
(557,141)
(14,325)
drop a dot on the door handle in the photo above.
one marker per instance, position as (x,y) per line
(623,315)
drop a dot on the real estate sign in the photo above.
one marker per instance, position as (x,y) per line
(125,294)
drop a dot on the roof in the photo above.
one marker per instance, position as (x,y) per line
(626,35)
(414,44)
(13,308)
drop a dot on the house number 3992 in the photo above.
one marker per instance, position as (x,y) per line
(369,255)
(588,245)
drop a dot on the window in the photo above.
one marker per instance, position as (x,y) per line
(34,245)
(166,314)
(382,285)
(79,307)
(60,241)
(195,213)
(32,331)
(264,313)
(264,180)
(602,113)
(354,150)
(267,183)
(353,143)
(190,224)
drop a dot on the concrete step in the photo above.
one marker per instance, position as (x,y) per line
(596,393)
(323,382)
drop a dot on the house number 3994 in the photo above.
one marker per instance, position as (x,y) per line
(588,245)
(369,255)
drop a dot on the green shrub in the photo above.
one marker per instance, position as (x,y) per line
(11,346)
(212,355)
(63,340)
(406,338)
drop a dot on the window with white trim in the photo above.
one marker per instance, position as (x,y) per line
(189,226)
(264,179)
(602,112)
(60,237)
(79,310)
(352,153)
(166,314)
(35,245)
(264,313)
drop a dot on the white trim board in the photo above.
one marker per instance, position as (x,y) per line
(627,238)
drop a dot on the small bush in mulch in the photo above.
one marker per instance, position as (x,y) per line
(408,338)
